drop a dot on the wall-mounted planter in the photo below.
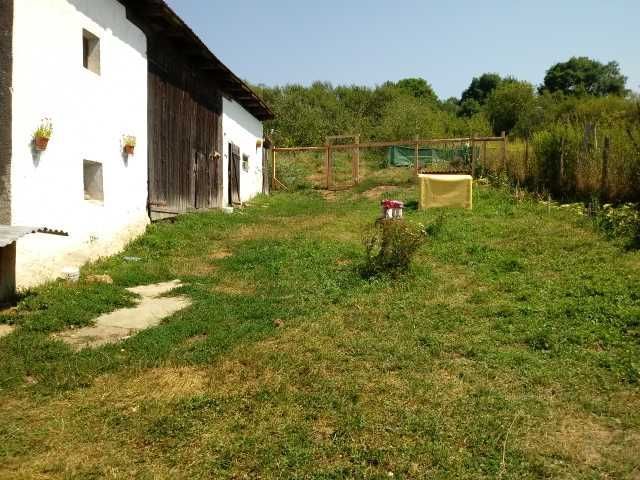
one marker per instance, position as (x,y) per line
(42,134)
(41,143)
(128,144)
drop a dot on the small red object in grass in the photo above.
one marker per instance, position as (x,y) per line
(392,208)
(392,204)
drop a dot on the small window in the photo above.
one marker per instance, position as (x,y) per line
(245,163)
(91,52)
(93,181)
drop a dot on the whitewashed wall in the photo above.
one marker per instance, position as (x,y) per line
(242,129)
(90,114)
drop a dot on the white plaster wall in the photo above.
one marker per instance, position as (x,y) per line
(242,129)
(90,114)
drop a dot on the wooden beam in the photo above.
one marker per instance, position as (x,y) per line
(349,146)
(7,273)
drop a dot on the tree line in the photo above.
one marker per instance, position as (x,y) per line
(565,120)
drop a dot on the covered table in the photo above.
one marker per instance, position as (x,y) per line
(444,190)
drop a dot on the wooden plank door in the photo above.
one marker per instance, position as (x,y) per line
(203,180)
(234,174)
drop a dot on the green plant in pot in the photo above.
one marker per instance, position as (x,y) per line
(129,144)
(42,135)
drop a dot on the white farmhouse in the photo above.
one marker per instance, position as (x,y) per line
(106,73)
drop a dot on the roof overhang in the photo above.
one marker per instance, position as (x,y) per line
(158,16)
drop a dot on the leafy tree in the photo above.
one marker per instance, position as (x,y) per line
(584,76)
(418,88)
(481,87)
(451,105)
(469,107)
(510,105)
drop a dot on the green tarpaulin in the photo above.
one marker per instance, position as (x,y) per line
(405,156)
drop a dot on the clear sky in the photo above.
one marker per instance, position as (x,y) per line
(446,42)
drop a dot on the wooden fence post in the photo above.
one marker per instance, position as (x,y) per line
(473,154)
(356,160)
(561,179)
(484,158)
(526,158)
(328,163)
(504,151)
(604,180)
(417,155)
(274,185)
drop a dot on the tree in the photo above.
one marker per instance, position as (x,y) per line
(481,87)
(418,88)
(451,105)
(510,106)
(584,76)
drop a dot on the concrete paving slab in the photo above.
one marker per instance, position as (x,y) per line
(155,289)
(121,324)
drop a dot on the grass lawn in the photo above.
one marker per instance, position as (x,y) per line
(512,350)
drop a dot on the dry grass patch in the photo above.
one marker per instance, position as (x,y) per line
(195,339)
(220,254)
(234,286)
(281,227)
(377,193)
(584,440)
(193,266)
(164,384)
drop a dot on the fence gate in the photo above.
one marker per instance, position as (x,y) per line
(342,166)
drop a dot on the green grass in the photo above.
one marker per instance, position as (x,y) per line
(511,350)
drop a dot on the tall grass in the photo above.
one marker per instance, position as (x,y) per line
(569,163)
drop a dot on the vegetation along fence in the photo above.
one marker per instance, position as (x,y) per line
(566,161)
(336,166)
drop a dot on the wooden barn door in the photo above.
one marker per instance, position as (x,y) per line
(185,138)
(203,180)
(234,174)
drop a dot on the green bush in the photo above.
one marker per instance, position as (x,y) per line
(621,221)
(389,247)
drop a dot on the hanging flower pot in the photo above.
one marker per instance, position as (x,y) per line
(41,143)
(42,135)
(128,144)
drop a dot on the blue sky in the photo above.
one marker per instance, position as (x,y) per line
(447,43)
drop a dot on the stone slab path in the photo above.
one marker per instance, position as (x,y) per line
(121,324)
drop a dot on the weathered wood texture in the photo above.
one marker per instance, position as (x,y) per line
(159,21)
(185,133)
(7,273)
(6,79)
(234,174)
(266,174)
(402,143)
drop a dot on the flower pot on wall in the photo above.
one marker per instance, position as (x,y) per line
(129,149)
(41,143)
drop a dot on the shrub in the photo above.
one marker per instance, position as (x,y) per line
(389,247)
(621,221)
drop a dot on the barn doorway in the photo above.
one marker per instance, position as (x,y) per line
(234,174)
(204,180)
(185,136)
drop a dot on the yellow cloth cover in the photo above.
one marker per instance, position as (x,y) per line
(445,190)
